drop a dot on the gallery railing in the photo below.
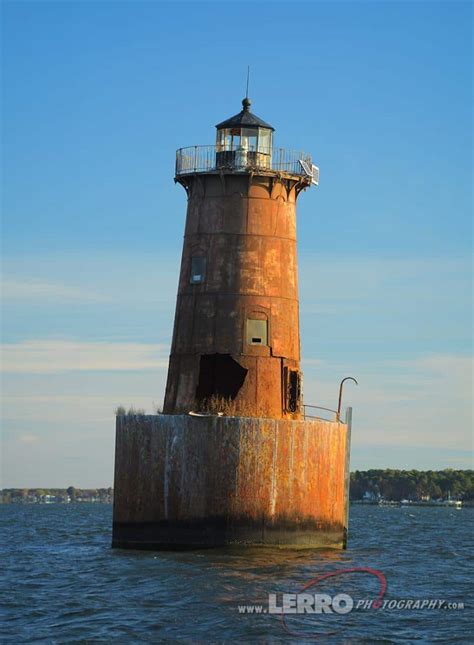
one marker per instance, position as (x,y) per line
(213,158)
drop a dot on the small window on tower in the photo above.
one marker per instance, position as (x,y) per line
(257,332)
(198,269)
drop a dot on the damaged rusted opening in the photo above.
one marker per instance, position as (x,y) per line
(219,375)
(292,388)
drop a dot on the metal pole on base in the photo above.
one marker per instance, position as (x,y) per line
(348,378)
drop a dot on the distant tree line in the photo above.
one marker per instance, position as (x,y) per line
(385,484)
(412,484)
(57,495)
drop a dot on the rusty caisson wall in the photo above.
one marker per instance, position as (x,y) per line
(184,481)
(233,460)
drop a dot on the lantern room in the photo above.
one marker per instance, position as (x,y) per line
(244,141)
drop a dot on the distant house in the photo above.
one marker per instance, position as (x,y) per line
(370,497)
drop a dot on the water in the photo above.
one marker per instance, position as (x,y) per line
(62,582)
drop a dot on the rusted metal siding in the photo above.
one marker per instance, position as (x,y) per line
(187,481)
(246,228)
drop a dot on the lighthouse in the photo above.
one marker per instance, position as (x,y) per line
(236,334)
(233,459)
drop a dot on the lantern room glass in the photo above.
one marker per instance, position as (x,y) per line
(254,143)
(265,141)
(250,139)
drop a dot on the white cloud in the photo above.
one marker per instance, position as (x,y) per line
(313,362)
(382,301)
(29,290)
(49,356)
(118,278)
(28,439)
(60,409)
(72,414)
(412,413)
(422,401)
(398,325)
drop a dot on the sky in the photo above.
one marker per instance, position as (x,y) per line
(97,98)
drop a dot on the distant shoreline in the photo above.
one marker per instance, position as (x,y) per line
(445,503)
(448,487)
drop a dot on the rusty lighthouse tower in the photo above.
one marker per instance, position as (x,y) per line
(236,334)
(232,459)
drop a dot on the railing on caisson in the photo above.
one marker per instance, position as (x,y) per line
(306,415)
(337,412)
(196,159)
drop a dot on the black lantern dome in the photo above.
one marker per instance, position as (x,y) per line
(245,119)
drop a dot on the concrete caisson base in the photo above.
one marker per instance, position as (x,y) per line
(194,482)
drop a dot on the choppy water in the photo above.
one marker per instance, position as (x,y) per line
(63,583)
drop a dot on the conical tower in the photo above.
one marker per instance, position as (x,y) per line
(236,332)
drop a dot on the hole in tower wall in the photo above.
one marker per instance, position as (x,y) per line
(219,375)
(292,389)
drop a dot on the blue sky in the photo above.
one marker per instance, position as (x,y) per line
(98,96)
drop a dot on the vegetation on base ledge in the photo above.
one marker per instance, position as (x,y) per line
(120,411)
